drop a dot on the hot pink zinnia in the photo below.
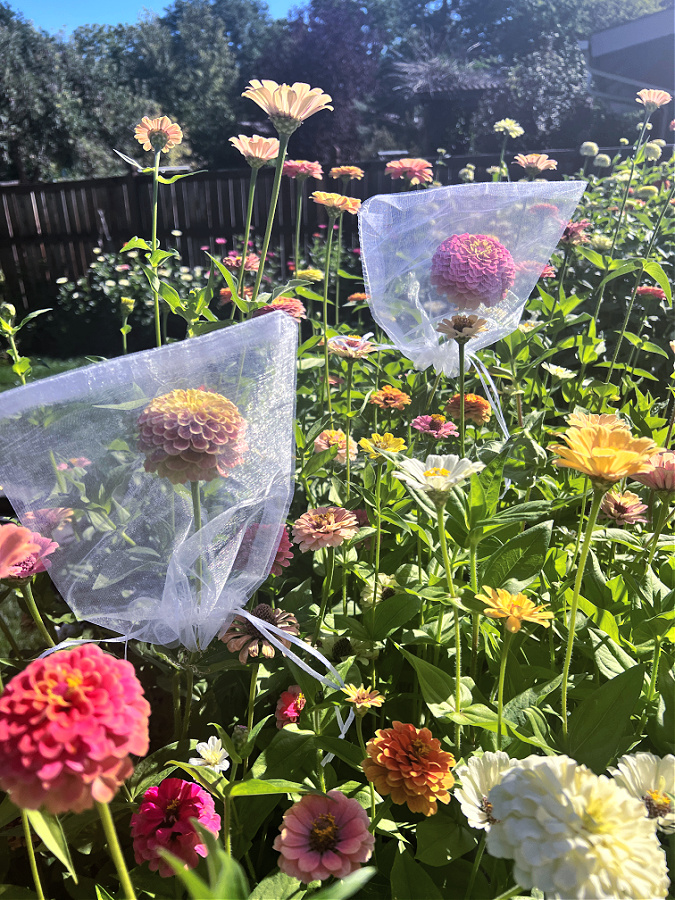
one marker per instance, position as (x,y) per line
(34,562)
(650,290)
(323,836)
(67,726)
(472,269)
(435,426)
(302,168)
(662,476)
(163,823)
(289,706)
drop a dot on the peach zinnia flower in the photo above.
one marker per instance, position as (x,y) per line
(16,544)
(386,442)
(68,723)
(348,173)
(470,269)
(515,608)
(242,637)
(605,455)
(302,169)
(661,473)
(33,562)
(193,435)
(333,437)
(351,346)
(323,836)
(390,398)
(256,150)
(158,134)
(653,99)
(476,409)
(325,526)
(580,419)
(408,763)
(335,204)
(625,508)
(290,305)
(416,171)
(535,163)
(287,105)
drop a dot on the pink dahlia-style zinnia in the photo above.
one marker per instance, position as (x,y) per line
(193,435)
(661,476)
(323,836)
(282,556)
(435,426)
(68,723)
(472,269)
(302,169)
(325,526)
(289,706)
(33,562)
(335,437)
(290,305)
(164,822)
(416,171)
(16,544)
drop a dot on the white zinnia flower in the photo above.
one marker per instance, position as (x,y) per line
(438,475)
(651,780)
(478,777)
(212,756)
(574,834)
(558,371)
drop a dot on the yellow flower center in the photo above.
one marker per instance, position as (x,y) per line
(594,818)
(658,804)
(324,833)
(436,473)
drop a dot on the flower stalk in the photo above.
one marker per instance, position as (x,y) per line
(247,230)
(115,850)
(276,186)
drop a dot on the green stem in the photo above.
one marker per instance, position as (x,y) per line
(660,525)
(197,515)
(251,694)
(247,231)
(592,518)
(27,594)
(500,693)
(329,252)
(624,326)
(189,684)
(124,335)
(433,393)
(31,855)
(115,850)
(362,744)
(378,538)
(175,693)
(474,869)
(298,222)
(462,420)
(15,355)
(338,252)
(227,832)
(276,186)
(651,690)
(155,280)
(348,423)
(501,160)
(440,515)
(475,617)
(327,582)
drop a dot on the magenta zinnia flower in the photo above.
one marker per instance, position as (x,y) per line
(323,836)
(33,562)
(435,426)
(471,269)
(163,823)
(67,726)
(289,706)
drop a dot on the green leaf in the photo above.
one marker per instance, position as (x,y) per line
(277,887)
(440,840)
(518,562)
(409,881)
(604,620)
(598,723)
(102,894)
(174,178)
(171,296)
(393,612)
(49,830)
(136,243)
(196,887)
(255,787)
(346,887)
(438,688)
(651,267)
(21,366)
(318,461)
(157,257)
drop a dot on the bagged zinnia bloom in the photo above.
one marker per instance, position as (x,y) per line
(464,258)
(179,515)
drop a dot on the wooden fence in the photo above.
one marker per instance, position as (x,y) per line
(49,231)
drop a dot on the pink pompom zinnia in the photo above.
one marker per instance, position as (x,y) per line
(323,836)
(472,269)
(435,426)
(33,562)
(163,823)
(289,706)
(67,726)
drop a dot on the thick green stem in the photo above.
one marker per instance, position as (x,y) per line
(462,420)
(197,514)
(299,186)
(27,594)
(247,231)
(31,855)
(276,186)
(329,251)
(651,690)
(189,685)
(115,850)
(660,525)
(433,392)
(155,245)
(624,326)
(474,869)
(348,423)
(592,518)
(338,252)
(440,514)
(475,617)
(327,584)
(15,355)
(500,691)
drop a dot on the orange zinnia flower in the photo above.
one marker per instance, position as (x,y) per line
(515,608)
(287,105)
(416,171)
(390,398)
(336,204)
(158,134)
(535,163)
(256,150)
(606,455)
(16,544)
(653,100)
(408,763)
(476,409)
(350,173)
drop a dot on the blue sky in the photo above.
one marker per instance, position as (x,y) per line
(54,16)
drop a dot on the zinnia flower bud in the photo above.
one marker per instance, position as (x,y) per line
(602,161)
(589,148)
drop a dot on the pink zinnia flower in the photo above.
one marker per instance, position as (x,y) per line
(163,822)
(575,233)
(547,272)
(323,836)
(248,547)
(68,723)
(52,522)
(332,437)
(625,508)
(662,476)
(302,168)
(233,261)
(471,269)
(33,562)
(16,543)
(290,305)
(435,426)
(649,290)
(326,526)
(416,171)
(289,706)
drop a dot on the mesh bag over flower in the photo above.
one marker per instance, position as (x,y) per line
(455,251)
(205,423)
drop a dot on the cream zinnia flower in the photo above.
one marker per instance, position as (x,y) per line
(438,475)
(287,105)
(510,127)
(651,780)
(212,755)
(574,834)
(478,777)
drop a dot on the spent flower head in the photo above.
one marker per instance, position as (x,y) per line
(461,328)
(589,148)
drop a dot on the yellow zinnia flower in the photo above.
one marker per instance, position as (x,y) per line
(363,698)
(605,454)
(515,608)
(379,442)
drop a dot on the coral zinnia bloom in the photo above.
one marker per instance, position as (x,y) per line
(363,698)
(16,544)
(68,723)
(624,508)
(287,105)
(535,163)
(476,409)
(653,99)
(408,763)
(193,435)
(34,562)
(605,455)
(470,269)
(323,836)
(349,173)
(158,134)
(351,347)
(226,295)
(649,290)
(256,150)
(332,437)
(302,169)
(661,473)
(325,526)
(435,426)
(289,706)
(243,637)
(290,305)
(390,398)
(461,328)
(416,171)
(163,822)
(386,442)
(335,204)
(358,297)
(515,608)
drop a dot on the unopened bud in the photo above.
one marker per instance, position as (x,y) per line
(128,304)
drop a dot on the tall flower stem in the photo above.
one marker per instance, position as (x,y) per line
(31,855)
(299,186)
(440,515)
(592,518)
(115,850)
(500,691)
(462,419)
(474,869)
(251,703)
(27,594)
(189,685)
(247,230)
(276,186)
(501,160)
(362,744)
(14,352)
(475,617)
(327,584)
(660,525)
(624,326)
(154,284)
(197,513)
(651,690)
(338,253)
(329,251)
(348,422)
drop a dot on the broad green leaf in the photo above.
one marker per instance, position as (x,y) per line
(409,881)
(171,296)
(255,787)
(604,620)
(278,887)
(438,688)
(102,894)
(136,243)
(48,829)
(651,267)
(318,461)
(392,612)
(440,840)
(519,561)
(346,887)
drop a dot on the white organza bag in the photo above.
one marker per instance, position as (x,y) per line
(119,460)
(472,249)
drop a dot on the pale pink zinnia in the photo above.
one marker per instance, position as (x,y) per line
(16,543)
(625,508)
(233,261)
(471,269)
(290,305)
(661,477)
(256,150)
(289,706)
(68,723)
(302,169)
(325,526)
(416,171)
(335,437)
(164,822)
(323,836)
(435,426)
(33,562)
